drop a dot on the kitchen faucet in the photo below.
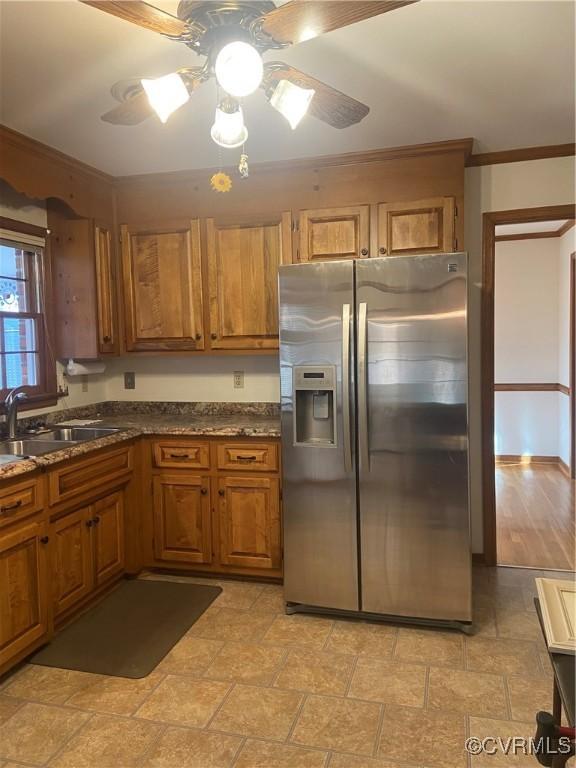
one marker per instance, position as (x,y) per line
(11,409)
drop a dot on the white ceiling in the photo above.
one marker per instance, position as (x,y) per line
(533,226)
(501,71)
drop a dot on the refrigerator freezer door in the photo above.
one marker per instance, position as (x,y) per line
(413,489)
(319,476)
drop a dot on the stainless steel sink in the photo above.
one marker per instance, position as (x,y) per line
(74,434)
(31,447)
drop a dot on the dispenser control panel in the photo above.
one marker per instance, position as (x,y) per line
(314,405)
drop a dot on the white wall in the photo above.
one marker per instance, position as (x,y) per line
(566,247)
(502,187)
(201,379)
(527,345)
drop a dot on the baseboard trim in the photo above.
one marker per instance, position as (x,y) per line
(527,460)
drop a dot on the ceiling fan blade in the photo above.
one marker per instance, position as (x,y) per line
(134,106)
(130,112)
(329,105)
(301,20)
(142,14)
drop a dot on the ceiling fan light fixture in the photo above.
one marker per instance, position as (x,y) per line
(291,101)
(166,94)
(229,130)
(239,69)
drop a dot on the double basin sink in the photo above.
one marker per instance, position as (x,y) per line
(53,440)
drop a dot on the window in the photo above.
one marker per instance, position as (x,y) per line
(23,358)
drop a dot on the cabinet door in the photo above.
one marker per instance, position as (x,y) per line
(243,277)
(335,233)
(182,520)
(23,589)
(72,574)
(108,535)
(249,520)
(163,285)
(107,325)
(422,226)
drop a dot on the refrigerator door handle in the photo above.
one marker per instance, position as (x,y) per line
(363,387)
(346,388)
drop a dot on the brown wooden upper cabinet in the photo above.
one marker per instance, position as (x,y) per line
(421,226)
(84,279)
(243,263)
(334,233)
(163,289)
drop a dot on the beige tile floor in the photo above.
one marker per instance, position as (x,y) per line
(250,687)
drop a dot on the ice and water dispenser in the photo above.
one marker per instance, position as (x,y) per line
(314,405)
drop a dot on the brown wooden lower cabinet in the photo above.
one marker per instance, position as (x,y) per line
(71,560)
(24,597)
(182,518)
(249,522)
(87,550)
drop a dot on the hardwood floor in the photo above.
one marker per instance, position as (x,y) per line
(535,511)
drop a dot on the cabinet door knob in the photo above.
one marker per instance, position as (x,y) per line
(106,339)
(364,251)
(198,336)
(213,335)
(44,540)
(89,523)
(96,520)
(382,250)
(221,492)
(203,491)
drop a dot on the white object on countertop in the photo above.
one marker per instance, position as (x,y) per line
(74,368)
(77,422)
(558,606)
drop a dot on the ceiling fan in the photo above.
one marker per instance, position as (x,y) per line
(232,35)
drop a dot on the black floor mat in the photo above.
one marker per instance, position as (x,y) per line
(131,630)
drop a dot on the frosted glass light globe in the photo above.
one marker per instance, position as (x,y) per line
(239,69)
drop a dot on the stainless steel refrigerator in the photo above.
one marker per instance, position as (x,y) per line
(374,384)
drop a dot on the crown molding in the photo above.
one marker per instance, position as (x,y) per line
(463,146)
(19,141)
(520,155)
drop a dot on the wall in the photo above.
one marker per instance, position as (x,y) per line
(566,247)
(504,187)
(527,345)
(194,378)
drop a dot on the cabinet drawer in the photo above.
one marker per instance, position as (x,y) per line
(19,500)
(248,457)
(77,478)
(181,453)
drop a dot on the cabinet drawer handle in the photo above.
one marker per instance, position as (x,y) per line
(11,507)
(203,491)
(221,492)
(44,540)
(179,456)
(246,458)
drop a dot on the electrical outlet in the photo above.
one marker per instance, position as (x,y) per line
(238,379)
(84,383)
(129,380)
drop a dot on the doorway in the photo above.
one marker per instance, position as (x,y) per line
(528,398)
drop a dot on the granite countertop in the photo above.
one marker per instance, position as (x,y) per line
(150,419)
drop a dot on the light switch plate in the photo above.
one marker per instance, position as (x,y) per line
(129,380)
(238,379)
